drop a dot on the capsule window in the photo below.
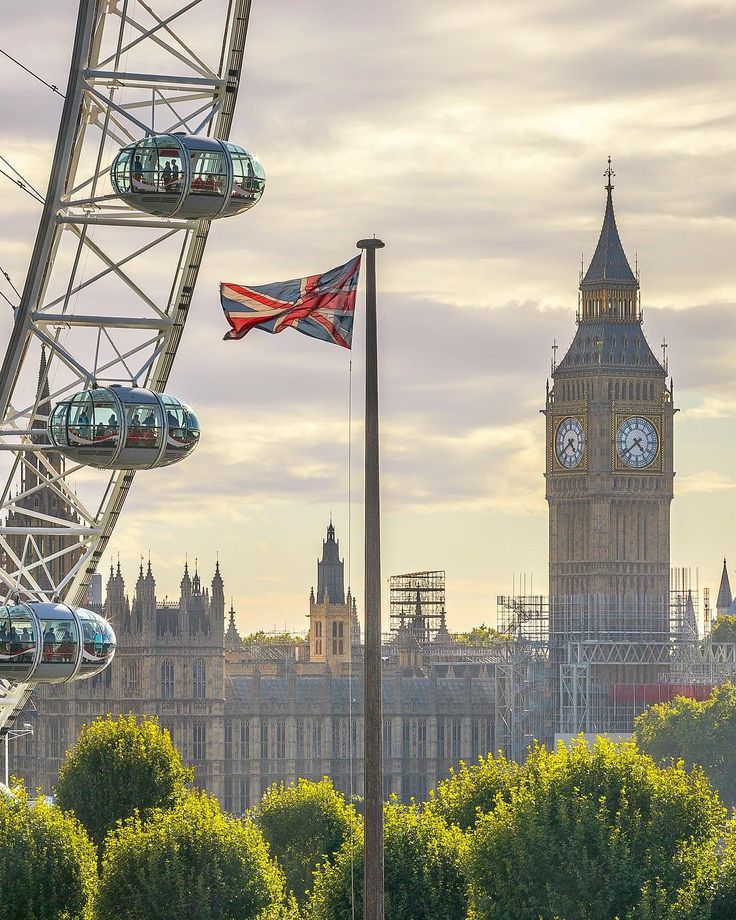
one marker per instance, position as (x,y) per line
(60,641)
(249,178)
(144,426)
(209,173)
(90,420)
(17,641)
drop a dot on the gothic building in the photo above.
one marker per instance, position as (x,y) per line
(609,483)
(249,713)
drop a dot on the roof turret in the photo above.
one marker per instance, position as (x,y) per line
(724,592)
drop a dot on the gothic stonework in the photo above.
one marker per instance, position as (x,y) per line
(247,714)
(609,474)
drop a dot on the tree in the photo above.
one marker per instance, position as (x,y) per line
(264,638)
(117,767)
(47,861)
(724,630)
(701,734)
(482,635)
(472,790)
(192,862)
(601,833)
(304,823)
(423,872)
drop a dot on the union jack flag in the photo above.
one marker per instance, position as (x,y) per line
(322,306)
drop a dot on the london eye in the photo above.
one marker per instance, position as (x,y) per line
(143,163)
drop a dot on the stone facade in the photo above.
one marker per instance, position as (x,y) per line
(246,714)
(609,480)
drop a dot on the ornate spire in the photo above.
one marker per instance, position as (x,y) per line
(725,597)
(330,571)
(232,636)
(609,266)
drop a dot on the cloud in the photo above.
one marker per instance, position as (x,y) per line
(704,481)
(473,138)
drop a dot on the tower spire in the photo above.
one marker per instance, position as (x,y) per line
(610,173)
(609,267)
(725,598)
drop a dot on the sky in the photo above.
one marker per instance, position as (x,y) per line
(472,138)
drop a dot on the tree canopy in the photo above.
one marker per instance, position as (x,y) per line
(701,734)
(724,629)
(481,635)
(304,823)
(267,638)
(117,767)
(591,835)
(47,861)
(423,872)
(191,861)
(472,790)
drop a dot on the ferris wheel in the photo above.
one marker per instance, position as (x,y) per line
(143,164)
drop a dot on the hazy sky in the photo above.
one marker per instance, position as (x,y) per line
(472,138)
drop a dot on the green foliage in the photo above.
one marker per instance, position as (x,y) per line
(47,862)
(117,767)
(700,734)
(724,630)
(303,824)
(471,791)
(423,873)
(481,635)
(264,638)
(724,894)
(192,862)
(592,835)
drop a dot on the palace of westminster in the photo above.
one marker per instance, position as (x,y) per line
(618,631)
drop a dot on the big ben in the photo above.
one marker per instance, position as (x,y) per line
(609,484)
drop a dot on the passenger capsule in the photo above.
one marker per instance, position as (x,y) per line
(187,176)
(123,428)
(52,643)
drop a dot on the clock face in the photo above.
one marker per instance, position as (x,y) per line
(637,442)
(569,443)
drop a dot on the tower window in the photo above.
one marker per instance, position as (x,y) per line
(199,741)
(199,680)
(167,679)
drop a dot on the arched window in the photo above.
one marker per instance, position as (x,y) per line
(199,741)
(318,638)
(167,679)
(199,679)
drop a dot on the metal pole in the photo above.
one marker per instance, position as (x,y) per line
(372,710)
(7,764)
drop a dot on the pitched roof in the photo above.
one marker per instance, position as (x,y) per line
(609,345)
(724,592)
(609,264)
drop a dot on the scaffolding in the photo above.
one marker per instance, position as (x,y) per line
(525,618)
(608,659)
(417,602)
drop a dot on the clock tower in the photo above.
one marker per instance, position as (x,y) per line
(609,484)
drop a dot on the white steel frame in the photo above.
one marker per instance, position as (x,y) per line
(109,103)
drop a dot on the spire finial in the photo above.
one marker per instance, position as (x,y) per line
(610,173)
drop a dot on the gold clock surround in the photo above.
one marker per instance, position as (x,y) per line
(618,416)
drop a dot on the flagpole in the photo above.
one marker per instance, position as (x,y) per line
(372,708)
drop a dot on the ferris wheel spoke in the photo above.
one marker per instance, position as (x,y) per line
(161,24)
